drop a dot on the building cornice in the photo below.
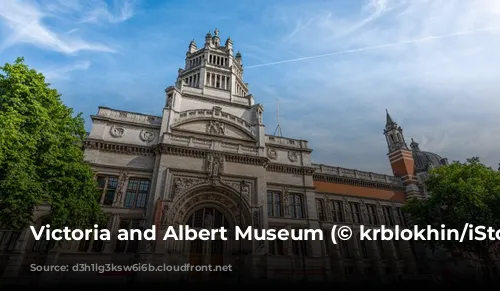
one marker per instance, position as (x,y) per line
(123,122)
(215,100)
(357,182)
(294,170)
(118,148)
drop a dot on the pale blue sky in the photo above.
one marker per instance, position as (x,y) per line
(434,64)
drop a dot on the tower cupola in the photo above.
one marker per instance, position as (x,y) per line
(238,57)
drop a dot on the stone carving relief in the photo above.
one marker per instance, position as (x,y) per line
(182,184)
(147,135)
(117,131)
(364,211)
(272,154)
(215,165)
(216,127)
(293,156)
(347,210)
(380,212)
(245,189)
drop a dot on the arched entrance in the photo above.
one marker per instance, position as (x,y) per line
(209,252)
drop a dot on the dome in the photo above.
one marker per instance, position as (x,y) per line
(425,161)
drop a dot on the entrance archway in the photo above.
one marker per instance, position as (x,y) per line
(208,252)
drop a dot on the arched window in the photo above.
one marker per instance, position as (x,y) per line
(207,218)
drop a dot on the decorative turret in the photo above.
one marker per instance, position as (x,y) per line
(229,45)
(208,39)
(238,57)
(192,47)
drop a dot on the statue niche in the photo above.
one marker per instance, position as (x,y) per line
(215,165)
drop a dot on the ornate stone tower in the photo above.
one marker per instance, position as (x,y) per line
(400,157)
(214,70)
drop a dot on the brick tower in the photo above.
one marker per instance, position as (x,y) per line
(401,158)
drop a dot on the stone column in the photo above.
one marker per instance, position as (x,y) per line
(114,225)
(310,211)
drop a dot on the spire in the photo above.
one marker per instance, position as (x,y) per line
(388,119)
(394,134)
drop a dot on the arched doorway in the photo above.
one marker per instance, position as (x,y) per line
(209,252)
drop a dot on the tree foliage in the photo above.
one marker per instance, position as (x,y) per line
(41,156)
(460,193)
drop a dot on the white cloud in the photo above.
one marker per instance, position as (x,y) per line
(62,72)
(443,91)
(26,23)
(101,12)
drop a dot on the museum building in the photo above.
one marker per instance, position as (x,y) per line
(207,162)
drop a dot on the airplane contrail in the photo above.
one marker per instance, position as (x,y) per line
(415,40)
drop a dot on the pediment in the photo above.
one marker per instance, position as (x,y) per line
(214,127)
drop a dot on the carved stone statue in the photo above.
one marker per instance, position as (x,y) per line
(215,170)
(286,202)
(164,211)
(215,165)
(122,184)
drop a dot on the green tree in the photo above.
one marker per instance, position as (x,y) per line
(41,156)
(460,194)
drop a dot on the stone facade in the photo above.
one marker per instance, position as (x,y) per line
(207,162)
